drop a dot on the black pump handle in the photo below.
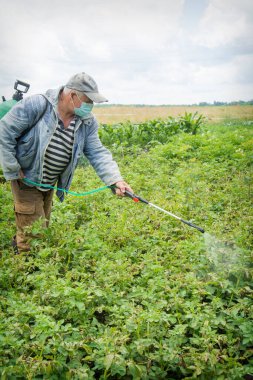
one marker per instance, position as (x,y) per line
(21,83)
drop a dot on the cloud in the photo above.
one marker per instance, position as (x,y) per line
(139,51)
(226,22)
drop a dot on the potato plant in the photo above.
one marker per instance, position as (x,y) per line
(117,290)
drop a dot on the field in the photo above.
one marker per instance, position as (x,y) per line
(118,290)
(214,114)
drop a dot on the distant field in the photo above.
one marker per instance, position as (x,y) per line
(137,114)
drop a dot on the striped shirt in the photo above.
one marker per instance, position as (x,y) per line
(58,154)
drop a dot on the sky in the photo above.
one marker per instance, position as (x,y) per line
(138,51)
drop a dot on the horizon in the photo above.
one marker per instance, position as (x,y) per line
(221,103)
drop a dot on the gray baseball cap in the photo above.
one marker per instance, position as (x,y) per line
(86,84)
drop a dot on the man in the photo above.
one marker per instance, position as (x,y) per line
(41,138)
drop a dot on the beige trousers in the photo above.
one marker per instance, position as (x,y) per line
(30,204)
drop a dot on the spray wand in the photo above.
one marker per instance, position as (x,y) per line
(134,197)
(137,198)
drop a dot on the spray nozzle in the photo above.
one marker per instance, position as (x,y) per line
(193,225)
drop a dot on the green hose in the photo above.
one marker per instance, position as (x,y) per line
(64,190)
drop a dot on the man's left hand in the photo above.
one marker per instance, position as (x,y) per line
(121,186)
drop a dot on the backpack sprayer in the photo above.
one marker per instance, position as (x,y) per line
(21,88)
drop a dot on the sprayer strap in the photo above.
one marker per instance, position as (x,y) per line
(64,190)
(37,120)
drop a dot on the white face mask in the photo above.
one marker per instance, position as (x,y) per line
(84,110)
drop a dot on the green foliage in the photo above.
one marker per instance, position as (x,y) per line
(117,290)
(191,123)
(151,132)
